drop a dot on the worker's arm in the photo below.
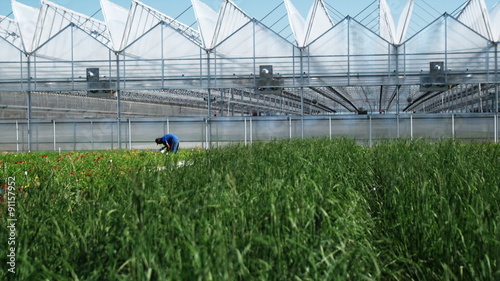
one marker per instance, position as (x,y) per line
(166,148)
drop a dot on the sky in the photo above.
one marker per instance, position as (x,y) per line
(254,8)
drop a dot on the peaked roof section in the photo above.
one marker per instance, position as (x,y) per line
(54,18)
(386,22)
(142,18)
(115,17)
(254,39)
(495,22)
(207,21)
(318,22)
(51,19)
(349,47)
(404,22)
(229,19)
(388,29)
(297,22)
(476,16)
(26,18)
(460,52)
(10,32)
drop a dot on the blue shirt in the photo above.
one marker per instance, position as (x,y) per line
(169,138)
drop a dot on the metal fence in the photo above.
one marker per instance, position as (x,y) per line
(21,135)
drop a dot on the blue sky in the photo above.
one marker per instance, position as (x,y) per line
(254,8)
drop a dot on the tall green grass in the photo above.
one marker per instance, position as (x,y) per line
(313,209)
(438,208)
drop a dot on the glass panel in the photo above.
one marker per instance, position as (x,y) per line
(435,127)
(384,128)
(271,129)
(42,136)
(316,128)
(475,128)
(8,137)
(356,127)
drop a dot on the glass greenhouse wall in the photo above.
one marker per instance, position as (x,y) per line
(199,132)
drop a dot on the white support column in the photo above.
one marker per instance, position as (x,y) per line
(54,133)
(330,126)
(370,131)
(245,121)
(207,144)
(251,133)
(495,129)
(453,126)
(17,136)
(411,127)
(129,134)
(92,134)
(397,113)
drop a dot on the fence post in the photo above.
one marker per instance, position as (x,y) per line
(17,136)
(411,127)
(370,129)
(245,131)
(330,126)
(495,122)
(54,131)
(251,131)
(92,134)
(452,126)
(74,136)
(207,145)
(129,134)
(398,133)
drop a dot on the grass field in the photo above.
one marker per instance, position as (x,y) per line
(315,209)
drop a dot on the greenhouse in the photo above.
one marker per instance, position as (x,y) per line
(142,63)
